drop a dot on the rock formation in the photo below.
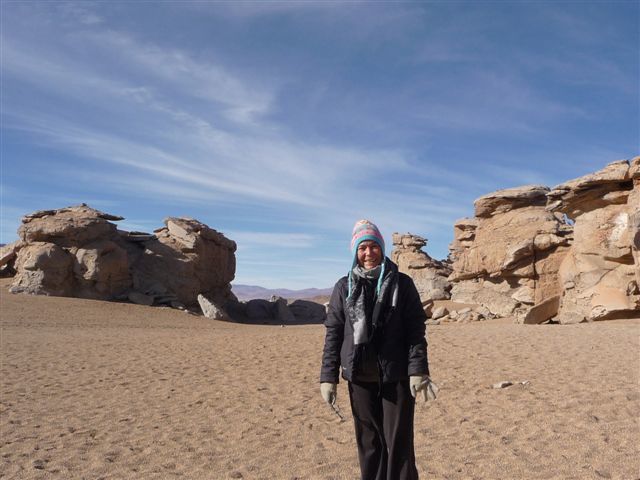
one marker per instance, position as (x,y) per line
(78,251)
(429,275)
(571,252)
(275,311)
(507,258)
(600,274)
(8,255)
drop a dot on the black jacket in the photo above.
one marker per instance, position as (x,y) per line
(398,336)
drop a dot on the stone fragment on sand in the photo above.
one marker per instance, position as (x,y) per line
(543,311)
(503,384)
(439,313)
(210,309)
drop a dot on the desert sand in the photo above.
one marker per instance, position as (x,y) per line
(94,390)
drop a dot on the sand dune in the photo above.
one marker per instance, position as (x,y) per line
(116,391)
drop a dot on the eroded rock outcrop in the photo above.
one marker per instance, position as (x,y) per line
(429,275)
(507,258)
(78,251)
(569,253)
(600,274)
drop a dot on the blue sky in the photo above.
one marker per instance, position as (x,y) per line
(282,123)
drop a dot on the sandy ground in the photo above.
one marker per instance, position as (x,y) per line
(95,390)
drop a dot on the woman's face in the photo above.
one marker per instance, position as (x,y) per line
(369,254)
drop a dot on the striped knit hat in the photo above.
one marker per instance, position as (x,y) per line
(365,230)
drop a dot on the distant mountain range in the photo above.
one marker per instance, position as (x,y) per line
(248,292)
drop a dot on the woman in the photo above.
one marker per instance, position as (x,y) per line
(375,332)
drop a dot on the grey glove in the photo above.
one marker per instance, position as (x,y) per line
(329,392)
(422,383)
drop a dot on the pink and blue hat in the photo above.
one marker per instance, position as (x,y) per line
(365,230)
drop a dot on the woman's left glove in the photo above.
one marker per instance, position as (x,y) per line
(422,383)
(329,392)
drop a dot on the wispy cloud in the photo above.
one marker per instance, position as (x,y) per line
(202,78)
(251,240)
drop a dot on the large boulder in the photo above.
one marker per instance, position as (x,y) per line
(185,259)
(67,227)
(429,275)
(43,269)
(306,311)
(503,201)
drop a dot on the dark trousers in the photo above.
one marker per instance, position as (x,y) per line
(383,420)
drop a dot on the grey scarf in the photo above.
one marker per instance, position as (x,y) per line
(360,327)
(371,274)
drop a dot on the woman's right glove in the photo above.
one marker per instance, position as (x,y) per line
(329,392)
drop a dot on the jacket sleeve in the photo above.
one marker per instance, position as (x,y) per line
(414,318)
(334,335)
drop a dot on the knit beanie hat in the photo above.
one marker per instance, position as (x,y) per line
(365,230)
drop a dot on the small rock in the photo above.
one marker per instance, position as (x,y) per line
(464,310)
(39,464)
(483,311)
(503,384)
(439,313)
(236,475)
